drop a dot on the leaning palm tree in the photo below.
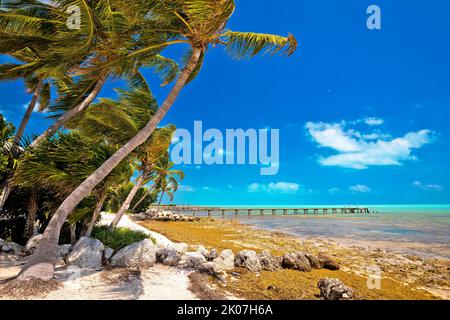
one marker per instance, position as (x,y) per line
(197,23)
(104,34)
(148,163)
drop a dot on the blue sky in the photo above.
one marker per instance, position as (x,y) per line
(363,114)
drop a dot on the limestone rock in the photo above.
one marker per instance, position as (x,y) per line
(313,261)
(296,261)
(179,247)
(334,289)
(193,260)
(139,255)
(32,243)
(107,254)
(224,261)
(12,247)
(64,250)
(87,253)
(269,262)
(327,263)
(248,259)
(168,256)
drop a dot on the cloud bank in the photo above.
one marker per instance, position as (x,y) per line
(358,150)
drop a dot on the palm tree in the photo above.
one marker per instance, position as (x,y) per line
(149,156)
(58,165)
(167,182)
(104,34)
(199,24)
(36,82)
(162,171)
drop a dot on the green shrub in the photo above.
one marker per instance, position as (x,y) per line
(119,238)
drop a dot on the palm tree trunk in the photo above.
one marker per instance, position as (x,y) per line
(32,210)
(73,233)
(26,117)
(160,199)
(41,264)
(6,190)
(70,114)
(143,197)
(126,205)
(96,212)
(19,134)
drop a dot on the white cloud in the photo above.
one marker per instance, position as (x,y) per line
(428,187)
(359,188)
(333,190)
(359,151)
(274,187)
(186,188)
(372,121)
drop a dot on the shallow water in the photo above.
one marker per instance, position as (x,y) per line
(423,230)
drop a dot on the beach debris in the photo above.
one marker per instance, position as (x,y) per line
(107,254)
(193,260)
(32,243)
(334,289)
(140,255)
(269,262)
(64,250)
(248,259)
(224,261)
(168,257)
(327,263)
(296,261)
(87,254)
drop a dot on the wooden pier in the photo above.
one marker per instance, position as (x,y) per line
(210,211)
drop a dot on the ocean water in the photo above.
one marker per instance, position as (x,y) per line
(412,229)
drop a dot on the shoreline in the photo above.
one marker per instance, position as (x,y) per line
(404,276)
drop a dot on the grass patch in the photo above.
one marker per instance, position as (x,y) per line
(119,238)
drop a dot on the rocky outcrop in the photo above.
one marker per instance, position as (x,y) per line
(248,259)
(179,247)
(313,261)
(327,263)
(87,254)
(168,257)
(140,255)
(12,247)
(64,250)
(224,261)
(32,243)
(162,215)
(269,262)
(334,289)
(296,261)
(107,254)
(193,260)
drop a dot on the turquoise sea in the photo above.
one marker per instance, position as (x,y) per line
(412,229)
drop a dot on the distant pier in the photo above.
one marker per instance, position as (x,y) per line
(210,211)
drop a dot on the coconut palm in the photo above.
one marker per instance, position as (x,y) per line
(149,157)
(197,23)
(58,165)
(103,34)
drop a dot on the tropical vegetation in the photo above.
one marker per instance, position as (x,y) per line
(100,154)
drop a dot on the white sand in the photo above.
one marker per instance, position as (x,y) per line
(157,283)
